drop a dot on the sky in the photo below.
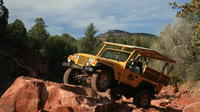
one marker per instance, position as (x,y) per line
(73,16)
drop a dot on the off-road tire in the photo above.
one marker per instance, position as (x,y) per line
(142,99)
(114,94)
(69,77)
(101,81)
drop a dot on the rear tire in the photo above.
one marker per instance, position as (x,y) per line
(142,99)
(69,77)
(101,81)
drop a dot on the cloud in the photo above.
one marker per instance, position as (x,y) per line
(56,30)
(65,15)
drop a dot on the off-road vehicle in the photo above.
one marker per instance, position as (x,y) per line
(121,68)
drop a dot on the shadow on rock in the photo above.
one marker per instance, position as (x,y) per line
(165,109)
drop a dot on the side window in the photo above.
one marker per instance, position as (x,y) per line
(136,63)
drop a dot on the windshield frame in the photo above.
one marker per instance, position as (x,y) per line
(120,51)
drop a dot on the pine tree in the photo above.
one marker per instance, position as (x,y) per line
(17,32)
(89,43)
(3,18)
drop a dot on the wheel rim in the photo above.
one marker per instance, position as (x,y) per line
(144,100)
(103,81)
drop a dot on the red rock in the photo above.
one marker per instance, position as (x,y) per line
(160,102)
(193,107)
(34,95)
(138,110)
(22,96)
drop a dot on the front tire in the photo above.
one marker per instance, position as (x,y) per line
(69,77)
(142,99)
(101,81)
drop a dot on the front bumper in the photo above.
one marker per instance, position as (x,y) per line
(72,65)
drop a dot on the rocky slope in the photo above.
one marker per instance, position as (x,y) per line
(34,95)
(170,100)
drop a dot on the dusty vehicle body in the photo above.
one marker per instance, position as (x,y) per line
(121,68)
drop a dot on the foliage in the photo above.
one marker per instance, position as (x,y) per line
(57,49)
(91,31)
(9,70)
(3,18)
(133,40)
(175,42)
(191,12)
(38,34)
(89,43)
(17,33)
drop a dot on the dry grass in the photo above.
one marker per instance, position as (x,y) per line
(190,85)
(193,86)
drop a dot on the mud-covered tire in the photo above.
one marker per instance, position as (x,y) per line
(69,77)
(115,94)
(142,99)
(101,81)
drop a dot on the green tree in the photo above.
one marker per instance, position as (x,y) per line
(3,18)
(141,41)
(191,12)
(89,43)
(38,34)
(91,31)
(17,32)
(57,50)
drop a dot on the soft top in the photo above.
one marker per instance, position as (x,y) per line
(145,52)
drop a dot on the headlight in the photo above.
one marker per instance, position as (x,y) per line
(76,57)
(68,60)
(90,60)
(87,64)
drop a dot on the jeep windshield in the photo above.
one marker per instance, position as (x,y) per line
(115,55)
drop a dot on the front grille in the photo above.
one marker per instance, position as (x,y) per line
(82,60)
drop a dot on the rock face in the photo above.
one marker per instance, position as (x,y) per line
(33,95)
(193,107)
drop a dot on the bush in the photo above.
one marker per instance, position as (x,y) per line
(176,42)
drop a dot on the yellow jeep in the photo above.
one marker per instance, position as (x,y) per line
(121,68)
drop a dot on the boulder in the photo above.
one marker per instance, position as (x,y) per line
(34,95)
(160,102)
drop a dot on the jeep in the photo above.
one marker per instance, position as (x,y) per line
(121,68)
